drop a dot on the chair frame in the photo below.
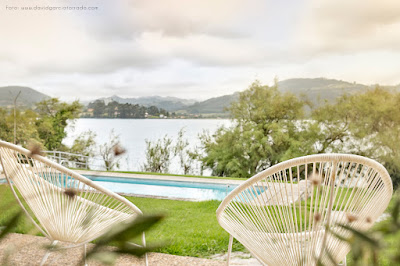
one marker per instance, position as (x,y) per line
(379,205)
(73,175)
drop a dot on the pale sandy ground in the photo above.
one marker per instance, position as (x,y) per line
(18,249)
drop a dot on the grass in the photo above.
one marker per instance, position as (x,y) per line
(9,207)
(393,241)
(189,228)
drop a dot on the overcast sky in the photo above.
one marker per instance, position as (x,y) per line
(195,49)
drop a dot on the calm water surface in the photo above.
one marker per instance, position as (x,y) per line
(134,132)
(165,188)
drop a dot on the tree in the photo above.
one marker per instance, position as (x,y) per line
(265,132)
(123,110)
(26,130)
(84,145)
(367,124)
(4,127)
(46,126)
(153,110)
(98,108)
(186,157)
(53,117)
(110,151)
(158,155)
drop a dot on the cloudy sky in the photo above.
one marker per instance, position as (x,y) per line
(194,49)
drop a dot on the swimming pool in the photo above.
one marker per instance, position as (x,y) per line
(165,188)
(197,191)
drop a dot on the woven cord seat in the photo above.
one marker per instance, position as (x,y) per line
(282,214)
(64,205)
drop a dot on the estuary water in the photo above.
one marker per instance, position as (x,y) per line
(133,133)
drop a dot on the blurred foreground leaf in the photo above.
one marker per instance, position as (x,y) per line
(10,225)
(121,236)
(372,247)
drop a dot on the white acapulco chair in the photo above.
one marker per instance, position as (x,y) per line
(45,188)
(284,215)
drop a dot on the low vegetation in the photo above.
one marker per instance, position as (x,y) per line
(159,154)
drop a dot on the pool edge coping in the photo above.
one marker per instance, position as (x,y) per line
(162,177)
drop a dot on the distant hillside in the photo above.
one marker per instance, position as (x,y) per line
(316,90)
(27,98)
(213,105)
(319,89)
(168,103)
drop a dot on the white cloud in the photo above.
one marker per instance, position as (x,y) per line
(209,47)
(342,26)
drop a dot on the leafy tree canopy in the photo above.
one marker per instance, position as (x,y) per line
(270,127)
(45,124)
(367,124)
(264,133)
(53,117)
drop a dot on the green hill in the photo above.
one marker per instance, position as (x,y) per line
(213,105)
(27,98)
(319,89)
(316,90)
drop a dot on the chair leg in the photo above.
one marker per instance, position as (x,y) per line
(53,244)
(229,249)
(144,245)
(84,255)
(344,262)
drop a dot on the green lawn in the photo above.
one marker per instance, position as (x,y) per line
(189,228)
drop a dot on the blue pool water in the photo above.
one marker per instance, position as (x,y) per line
(165,188)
